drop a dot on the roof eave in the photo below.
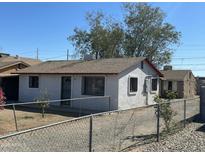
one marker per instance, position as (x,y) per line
(152,65)
(13,64)
(26,73)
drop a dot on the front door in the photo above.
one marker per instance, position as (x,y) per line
(66,90)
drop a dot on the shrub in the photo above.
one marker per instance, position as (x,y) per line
(43,102)
(2,99)
(170,95)
(166,112)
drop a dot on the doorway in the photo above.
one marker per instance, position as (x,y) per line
(10,86)
(66,90)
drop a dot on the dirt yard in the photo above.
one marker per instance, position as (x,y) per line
(27,119)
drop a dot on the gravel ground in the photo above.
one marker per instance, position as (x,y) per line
(190,139)
(111,132)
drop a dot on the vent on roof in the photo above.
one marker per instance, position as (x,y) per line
(167,67)
(88,57)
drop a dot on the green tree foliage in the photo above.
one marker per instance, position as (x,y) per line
(144,33)
(147,34)
(103,39)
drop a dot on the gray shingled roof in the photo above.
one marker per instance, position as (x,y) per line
(177,75)
(100,66)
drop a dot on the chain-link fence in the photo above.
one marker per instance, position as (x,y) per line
(107,131)
(21,116)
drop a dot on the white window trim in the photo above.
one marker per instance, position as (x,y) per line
(154,91)
(133,93)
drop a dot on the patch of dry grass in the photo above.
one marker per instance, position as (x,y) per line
(26,120)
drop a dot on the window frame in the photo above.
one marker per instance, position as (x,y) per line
(83,85)
(30,85)
(129,86)
(154,78)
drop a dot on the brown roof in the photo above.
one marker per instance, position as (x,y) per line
(100,66)
(177,75)
(8,64)
(28,61)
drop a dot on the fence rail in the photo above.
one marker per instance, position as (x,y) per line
(107,131)
(53,101)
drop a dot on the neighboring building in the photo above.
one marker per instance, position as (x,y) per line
(200,82)
(180,81)
(130,82)
(10,64)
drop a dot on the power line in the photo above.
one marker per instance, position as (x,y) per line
(188,58)
(61,56)
(188,64)
(200,70)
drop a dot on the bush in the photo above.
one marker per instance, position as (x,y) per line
(170,95)
(43,102)
(166,112)
(2,99)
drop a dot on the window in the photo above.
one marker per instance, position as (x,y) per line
(93,86)
(133,84)
(142,65)
(154,84)
(33,81)
(170,85)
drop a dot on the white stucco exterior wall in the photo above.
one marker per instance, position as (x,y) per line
(116,86)
(52,84)
(140,98)
(49,83)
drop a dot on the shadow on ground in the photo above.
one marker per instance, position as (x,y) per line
(48,111)
(140,140)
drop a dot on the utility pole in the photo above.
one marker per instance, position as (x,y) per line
(67,54)
(37,54)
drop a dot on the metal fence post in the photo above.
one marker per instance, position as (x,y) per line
(80,109)
(184,113)
(91,133)
(158,122)
(14,113)
(109,103)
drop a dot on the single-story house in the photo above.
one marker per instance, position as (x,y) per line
(182,82)
(130,82)
(10,64)
(200,82)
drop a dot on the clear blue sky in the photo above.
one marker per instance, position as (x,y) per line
(24,27)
